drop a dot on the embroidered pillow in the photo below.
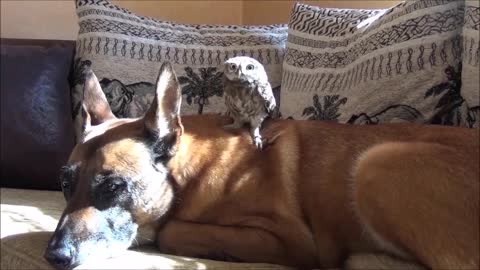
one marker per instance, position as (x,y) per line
(126,51)
(401,64)
(470,61)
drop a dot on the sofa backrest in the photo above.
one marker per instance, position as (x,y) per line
(36,121)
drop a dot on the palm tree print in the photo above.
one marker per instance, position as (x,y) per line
(451,107)
(473,118)
(329,110)
(198,88)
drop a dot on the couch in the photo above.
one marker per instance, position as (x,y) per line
(37,136)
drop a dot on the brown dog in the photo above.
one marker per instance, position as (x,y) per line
(319,195)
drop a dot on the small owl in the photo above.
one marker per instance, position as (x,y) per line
(248,94)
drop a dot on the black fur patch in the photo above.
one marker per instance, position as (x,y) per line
(110,190)
(67,180)
(162,149)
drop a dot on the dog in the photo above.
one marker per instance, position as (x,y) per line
(331,195)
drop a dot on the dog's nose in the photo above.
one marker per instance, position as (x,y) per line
(60,257)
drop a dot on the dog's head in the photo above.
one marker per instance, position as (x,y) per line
(116,179)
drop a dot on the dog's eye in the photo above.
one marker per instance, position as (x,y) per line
(66,189)
(112,187)
(65,185)
(67,179)
(250,67)
(114,184)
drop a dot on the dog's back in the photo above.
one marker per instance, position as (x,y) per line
(399,182)
(326,185)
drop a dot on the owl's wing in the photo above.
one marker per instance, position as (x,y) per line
(265,91)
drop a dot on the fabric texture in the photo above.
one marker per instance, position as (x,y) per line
(126,51)
(402,64)
(470,59)
(36,123)
(29,217)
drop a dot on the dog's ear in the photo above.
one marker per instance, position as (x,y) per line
(94,108)
(95,103)
(163,116)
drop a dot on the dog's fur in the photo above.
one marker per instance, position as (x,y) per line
(319,195)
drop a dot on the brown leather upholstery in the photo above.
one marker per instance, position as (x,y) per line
(36,122)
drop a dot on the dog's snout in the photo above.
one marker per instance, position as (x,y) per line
(59,256)
(58,253)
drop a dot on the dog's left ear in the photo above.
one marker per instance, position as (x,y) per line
(94,108)
(163,116)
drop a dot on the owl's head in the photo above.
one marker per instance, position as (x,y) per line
(245,69)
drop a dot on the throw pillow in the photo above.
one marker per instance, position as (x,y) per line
(402,64)
(126,51)
(470,60)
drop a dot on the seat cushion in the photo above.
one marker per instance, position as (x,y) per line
(28,218)
(36,120)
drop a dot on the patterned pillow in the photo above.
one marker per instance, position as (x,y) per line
(126,50)
(402,64)
(470,89)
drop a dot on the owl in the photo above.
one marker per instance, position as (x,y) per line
(248,95)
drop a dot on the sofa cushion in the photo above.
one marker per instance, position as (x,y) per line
(29,216)
(36,120)
(126,51)
(401,64)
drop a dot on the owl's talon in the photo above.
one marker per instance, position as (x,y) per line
(258,142)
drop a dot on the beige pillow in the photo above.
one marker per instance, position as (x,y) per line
(402,64)
(125,50)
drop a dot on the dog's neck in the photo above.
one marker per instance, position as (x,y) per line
(206,146)
(206,157)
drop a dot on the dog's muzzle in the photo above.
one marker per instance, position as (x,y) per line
(90,234)
(59,254)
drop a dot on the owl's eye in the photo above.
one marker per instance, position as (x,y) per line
(250,67)
(233,66)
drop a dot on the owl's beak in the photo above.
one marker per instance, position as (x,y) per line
(239,72)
